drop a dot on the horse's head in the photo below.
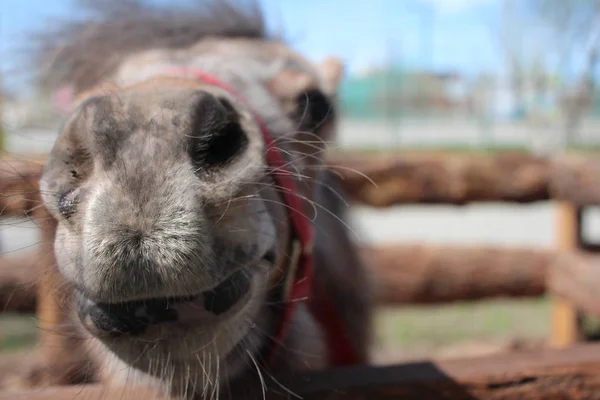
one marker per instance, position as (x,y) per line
(173,228)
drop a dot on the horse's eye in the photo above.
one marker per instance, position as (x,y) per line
(315,109)
(67,204)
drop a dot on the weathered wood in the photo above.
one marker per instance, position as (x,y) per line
(385,180)
(575,179)
(556,374)
(404,273)
(18,282)
(61,358)
(58,360)
(437,274)
(87,392)
(382,181)
(576,277)
(532,375)
(566,326)
(19,188)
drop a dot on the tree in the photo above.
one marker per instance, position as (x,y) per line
(573,27)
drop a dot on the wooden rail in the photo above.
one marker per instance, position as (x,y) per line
(434,178)
(19,281)
(19,188)
(534,375)
(576,277)
(404,273)
(547,374)
(421,274)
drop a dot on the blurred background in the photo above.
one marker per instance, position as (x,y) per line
(463,76)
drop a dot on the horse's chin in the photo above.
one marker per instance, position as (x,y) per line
(180,330)
(207,350)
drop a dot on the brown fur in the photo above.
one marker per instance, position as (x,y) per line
(121,117)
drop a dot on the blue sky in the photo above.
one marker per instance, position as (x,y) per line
(459,33)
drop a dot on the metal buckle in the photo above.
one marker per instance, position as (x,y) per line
(308,249)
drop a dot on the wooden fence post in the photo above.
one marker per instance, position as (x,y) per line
(61,359)
(566,325)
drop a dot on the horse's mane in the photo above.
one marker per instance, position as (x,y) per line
(81,52)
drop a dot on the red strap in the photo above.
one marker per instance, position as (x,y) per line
(300,289)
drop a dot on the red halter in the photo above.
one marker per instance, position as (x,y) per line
(302,288)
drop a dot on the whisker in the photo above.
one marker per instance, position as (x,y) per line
(260,377)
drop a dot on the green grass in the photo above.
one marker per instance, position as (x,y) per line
(17,332)
(431,327)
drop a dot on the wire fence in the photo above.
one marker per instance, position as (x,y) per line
(418,108)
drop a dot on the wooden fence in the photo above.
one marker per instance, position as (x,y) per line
(568,273)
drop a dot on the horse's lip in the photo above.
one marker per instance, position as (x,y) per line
(168,301)
(133,318)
